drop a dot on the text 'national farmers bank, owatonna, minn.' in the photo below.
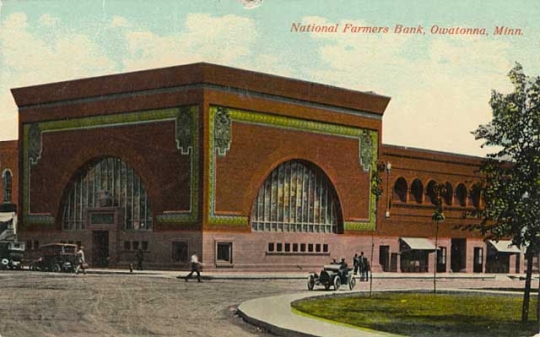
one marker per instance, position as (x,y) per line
(349,28)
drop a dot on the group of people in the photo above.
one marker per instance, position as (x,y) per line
(361,265)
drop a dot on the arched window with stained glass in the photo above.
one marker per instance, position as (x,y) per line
(108,182)
(296,197)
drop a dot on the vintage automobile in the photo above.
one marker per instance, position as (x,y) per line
(56,257)
(332,275)
(11,254)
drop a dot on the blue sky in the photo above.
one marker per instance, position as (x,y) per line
(440,84)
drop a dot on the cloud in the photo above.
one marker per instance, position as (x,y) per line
(28,60)
(48,20)
(202,39)
(118,21)
(441,83)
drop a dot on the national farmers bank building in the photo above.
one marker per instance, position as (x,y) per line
(251,171)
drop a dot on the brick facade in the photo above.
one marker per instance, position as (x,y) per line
(203,139)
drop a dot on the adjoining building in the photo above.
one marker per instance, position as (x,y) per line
(249,170)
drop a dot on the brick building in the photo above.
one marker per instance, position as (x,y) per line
(250,170)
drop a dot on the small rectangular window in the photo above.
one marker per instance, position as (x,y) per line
(287,247)
(144,245)
(310,248)
(271,247)
(224,252)
(295,247)
(135,245)
(302,247)
(180,252)
(325,248)
(29,245)
(318,248)
(127,245)
(279,247)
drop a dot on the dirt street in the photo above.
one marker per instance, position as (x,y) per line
(48,304)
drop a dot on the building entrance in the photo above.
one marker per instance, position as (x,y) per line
(100,249)
(458,257)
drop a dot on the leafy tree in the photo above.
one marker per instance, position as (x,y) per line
(511,186)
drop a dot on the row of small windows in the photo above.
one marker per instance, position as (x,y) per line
(280,247)
(461,195)
(7,179)
(135,245)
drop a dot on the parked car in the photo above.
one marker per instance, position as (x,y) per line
(56,257)
(11,254)
(332,275)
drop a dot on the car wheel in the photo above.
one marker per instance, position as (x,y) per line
(4,263)
(337,283)
(311,282)
(352,283)
(56,268)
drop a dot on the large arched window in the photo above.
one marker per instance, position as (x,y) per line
(400,189)
(430,191)
(449,194)
(108,182)
(417,190)
(296,197)
(7,177)
(461,195)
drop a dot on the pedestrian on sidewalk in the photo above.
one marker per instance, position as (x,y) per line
(195,268)
(80,262)
(363,267)
(140,257)
(356,263)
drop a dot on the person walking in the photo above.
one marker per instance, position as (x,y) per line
(80,261)
(356,263)
(195,267)
(364,267)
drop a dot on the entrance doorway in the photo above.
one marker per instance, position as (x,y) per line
(100,249)
(459,254)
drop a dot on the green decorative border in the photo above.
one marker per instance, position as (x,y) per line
(106,121)
(296,124)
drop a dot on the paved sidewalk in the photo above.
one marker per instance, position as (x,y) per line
(275,315)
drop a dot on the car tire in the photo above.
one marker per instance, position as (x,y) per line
(311,282)
(352,283)
(337,283)
(56,268)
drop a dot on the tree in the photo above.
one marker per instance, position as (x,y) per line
(511,186)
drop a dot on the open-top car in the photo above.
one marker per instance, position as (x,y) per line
(56,257)
(332,275)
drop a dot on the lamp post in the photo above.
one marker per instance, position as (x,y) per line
(377,190)
(437,217)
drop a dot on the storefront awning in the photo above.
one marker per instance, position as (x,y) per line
(504,246)
(6,216)
(418,244)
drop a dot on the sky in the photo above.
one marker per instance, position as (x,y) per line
(439,84)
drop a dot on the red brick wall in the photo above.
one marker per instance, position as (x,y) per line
(257,150)
(149,149)
(9,161)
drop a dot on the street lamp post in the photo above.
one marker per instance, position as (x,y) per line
(437,217)
(377,191)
